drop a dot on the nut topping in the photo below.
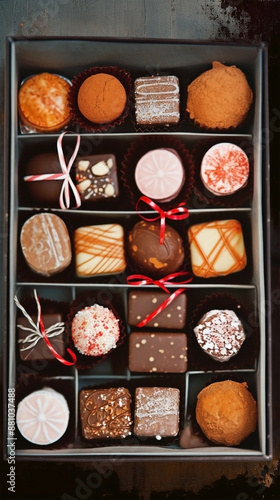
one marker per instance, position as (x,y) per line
(100,169)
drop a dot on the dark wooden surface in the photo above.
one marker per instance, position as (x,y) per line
(226,20)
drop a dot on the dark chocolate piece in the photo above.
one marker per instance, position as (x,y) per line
(158,352)
(156,411)
(45,192)
(141,303)
(151,257)
(105,413)
(96,177)
(157,100)
(32,346)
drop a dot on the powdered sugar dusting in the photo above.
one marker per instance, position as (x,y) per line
(220,333)
(95,330)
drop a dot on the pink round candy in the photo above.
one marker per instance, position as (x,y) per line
(42,416)
(159,174)
(224,169)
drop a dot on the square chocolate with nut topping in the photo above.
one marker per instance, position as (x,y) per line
(96,177)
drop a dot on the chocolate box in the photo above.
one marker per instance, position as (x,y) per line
(186,60)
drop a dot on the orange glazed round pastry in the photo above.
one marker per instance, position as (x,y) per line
(226,412)
(101,98)
(219,98)
(43,103)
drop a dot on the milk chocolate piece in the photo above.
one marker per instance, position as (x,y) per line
(217,248)
(45,192)
(99,250)
(105,413)
(156,411)
(141,303)
(32,346)
(157,100)
(151,257)
(158,352)
(96,177)
(46,244)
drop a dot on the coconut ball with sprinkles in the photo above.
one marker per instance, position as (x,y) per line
(95,330)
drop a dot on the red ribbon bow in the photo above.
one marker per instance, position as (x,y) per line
(65,175)
(140,279)
(177,213)
(43,331)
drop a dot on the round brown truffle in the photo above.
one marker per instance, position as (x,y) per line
(149,255)
(226,412)
(101,98)
(219,98)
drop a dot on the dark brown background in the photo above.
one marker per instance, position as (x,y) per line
(228,20)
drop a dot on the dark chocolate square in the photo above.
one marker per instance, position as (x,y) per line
(105,413)
(156,411)
(142,303)
(158,352)
(40,350)
(96,177)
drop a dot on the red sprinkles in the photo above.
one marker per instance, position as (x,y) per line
(95,330)
(224,169)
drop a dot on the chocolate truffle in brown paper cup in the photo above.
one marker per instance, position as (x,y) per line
(94,331)
(231,422)
(242,353)
(145,145)
(219,99)
(90,112)
(242,149)
(145,253)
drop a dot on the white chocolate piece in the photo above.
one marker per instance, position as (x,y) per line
(99,250)
(159,174)
(42,417)
(217,248)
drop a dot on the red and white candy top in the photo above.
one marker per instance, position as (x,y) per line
(224,169)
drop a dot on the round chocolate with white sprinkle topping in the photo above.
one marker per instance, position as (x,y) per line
(220,334)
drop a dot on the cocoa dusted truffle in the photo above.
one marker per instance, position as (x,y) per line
(219,98)
(220,334)
(226,412)
(101,98)
(149,255)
